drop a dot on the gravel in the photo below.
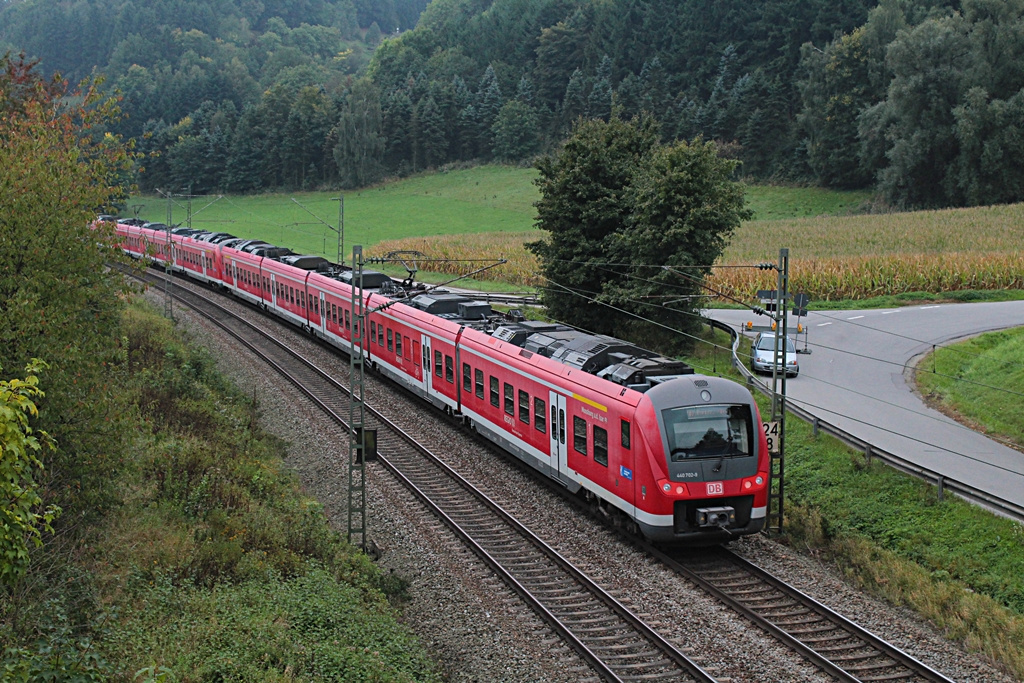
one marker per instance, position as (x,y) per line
(475,628)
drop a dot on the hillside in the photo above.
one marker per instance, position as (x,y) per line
(918,101)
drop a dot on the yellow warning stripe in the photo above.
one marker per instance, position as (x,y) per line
(590,403)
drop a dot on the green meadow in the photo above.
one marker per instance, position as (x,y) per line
(485,199)
(469,201)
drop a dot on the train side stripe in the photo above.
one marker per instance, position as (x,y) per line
(595,404)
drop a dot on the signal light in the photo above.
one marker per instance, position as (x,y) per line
(750,325)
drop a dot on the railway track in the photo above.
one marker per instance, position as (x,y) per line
(617,644)
(836,645)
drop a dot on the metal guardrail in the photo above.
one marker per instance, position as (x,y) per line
(941,481)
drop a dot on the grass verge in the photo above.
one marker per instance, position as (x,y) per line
(978,381)
(215,566)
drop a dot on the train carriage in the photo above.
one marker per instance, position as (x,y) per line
(200,259)
(675,455)
(243,274)
(287,291)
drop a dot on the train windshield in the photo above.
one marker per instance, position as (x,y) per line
(695,432)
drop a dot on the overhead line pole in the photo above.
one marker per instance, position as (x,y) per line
(776,478)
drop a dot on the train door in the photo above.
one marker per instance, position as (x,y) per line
(427,373)
(324,310)
(558,445)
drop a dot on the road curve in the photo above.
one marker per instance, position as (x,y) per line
(855,379)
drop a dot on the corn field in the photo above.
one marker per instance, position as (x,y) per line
(831,258)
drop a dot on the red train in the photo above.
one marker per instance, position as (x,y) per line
(674,455)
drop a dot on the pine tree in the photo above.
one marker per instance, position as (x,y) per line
(242,172)
(431,137)
(489,103)
(358,137)
(574,104)
(599,102)
(515,132)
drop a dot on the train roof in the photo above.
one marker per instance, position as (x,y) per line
(615,360)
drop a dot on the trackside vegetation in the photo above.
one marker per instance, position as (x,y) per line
(213,564)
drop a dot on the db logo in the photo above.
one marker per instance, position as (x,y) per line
(715,488)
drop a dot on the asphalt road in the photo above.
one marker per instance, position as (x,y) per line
(855,378)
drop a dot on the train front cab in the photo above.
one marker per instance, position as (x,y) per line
(706,476)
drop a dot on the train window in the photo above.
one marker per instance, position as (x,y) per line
(348,320)
(398,345)
(373,331)
(437,363)
(625,435)
(539,415)
(291,295)
(391,344)
(495,398)
(334,313)
(302,300)
(510,401)
(380,336)
(449,370)
(600,446)
(467,378)
(579,435)
(524,407)
(708,431)
(479,376)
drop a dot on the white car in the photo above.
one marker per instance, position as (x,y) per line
(763,348)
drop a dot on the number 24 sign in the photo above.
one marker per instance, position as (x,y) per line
(771,431)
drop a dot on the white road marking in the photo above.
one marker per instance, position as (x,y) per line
(823,324)
(856,317)
(888,312)
(925,308)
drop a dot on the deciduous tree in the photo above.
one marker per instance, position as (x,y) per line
(583,203)
(631,226)
(22,516)
(57,299)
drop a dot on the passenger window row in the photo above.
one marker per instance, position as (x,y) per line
(473,385)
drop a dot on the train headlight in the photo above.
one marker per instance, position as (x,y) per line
(752,482)
(672,488)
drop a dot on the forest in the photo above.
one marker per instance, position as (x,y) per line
(918,100)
